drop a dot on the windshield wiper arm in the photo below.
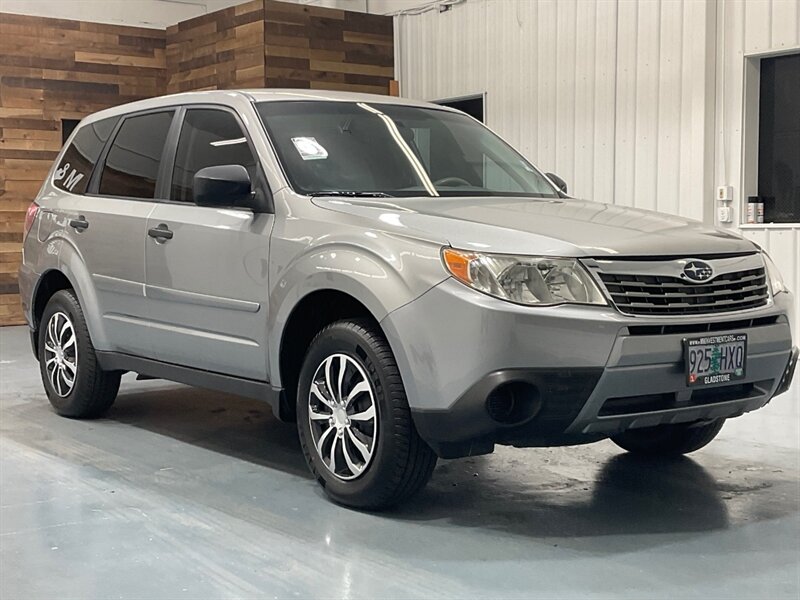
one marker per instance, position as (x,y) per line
(351,194)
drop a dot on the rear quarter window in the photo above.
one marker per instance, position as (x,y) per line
(132,165)
(76,164)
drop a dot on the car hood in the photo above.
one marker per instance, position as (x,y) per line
(553,227)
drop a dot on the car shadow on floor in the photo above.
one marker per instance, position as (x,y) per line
(575,493)
(239,427)
(626,495)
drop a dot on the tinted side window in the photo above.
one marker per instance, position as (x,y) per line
(75,168)
(131,168)
(208,138)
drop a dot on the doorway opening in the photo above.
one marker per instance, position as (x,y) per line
(472,105)
(779,139)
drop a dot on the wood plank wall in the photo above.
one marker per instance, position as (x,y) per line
(219,50)
(323,48)
(50,70)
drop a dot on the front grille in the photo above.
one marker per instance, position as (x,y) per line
(640,294)
(701,327)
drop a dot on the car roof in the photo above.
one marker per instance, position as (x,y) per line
(254,95)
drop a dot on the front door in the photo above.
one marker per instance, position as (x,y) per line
(206,268)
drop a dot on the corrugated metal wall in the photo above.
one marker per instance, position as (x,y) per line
(627,101)
(612,96)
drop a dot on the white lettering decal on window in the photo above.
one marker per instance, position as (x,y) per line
(71,180)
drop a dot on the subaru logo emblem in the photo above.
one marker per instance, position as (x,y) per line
(697,270)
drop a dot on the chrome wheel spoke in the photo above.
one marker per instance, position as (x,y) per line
(342,369)
(360,446)
(320,396)
(361,387)
(68,381)
(354,468)
(329,377)
(51,337)
(332,457)
(56,378)
(364,415)
(323,438)
(65,328)
(69,342)
(71,366)
(315,415)
(51,374)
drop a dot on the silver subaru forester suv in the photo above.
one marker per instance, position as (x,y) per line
(393,277)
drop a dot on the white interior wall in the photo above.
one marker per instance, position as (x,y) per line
(615,97)
(638,103)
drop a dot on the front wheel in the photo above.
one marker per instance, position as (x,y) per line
(354,422)
(668,440)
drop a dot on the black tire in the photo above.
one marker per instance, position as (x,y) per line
(668,440)
(93,390)
(401,462)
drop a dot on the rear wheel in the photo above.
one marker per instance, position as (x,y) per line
(355,426)
(75,384)
(668,440)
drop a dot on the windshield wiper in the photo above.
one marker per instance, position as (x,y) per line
(351,194)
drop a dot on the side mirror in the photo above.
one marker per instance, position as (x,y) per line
(560,183)
(223,185)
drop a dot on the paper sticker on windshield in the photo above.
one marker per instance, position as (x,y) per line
(309,148)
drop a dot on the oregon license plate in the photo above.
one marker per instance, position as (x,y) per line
(715,359)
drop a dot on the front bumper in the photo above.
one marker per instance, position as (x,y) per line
(593,371)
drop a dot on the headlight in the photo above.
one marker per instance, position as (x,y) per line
(776,283)
(530,280)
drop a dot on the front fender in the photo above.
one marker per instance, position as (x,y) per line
(380,283)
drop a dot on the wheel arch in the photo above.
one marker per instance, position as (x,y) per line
(68,271)
(307,317)
(51,281)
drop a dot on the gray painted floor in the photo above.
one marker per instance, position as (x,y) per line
(182,493)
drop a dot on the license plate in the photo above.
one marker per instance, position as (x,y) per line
(715,359)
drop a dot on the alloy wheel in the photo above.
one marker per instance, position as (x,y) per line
(342,416)
(61,354)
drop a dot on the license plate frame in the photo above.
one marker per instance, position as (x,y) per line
(733,369)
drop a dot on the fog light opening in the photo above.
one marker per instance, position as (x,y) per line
(513,402)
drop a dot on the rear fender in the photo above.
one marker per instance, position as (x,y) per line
(62,255)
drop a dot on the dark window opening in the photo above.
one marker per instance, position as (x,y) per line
(67,127)
(77,162)
(779,139)
(473,106)
(131,168)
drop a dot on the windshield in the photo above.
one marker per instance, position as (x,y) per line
(357,148)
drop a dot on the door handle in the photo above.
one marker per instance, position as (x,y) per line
(79,224)
(160,233)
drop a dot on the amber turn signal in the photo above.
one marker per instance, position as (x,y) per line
(457,262)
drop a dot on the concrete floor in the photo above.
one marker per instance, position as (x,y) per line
(182,493)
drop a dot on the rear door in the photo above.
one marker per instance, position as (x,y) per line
(207,281)
(108,223)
